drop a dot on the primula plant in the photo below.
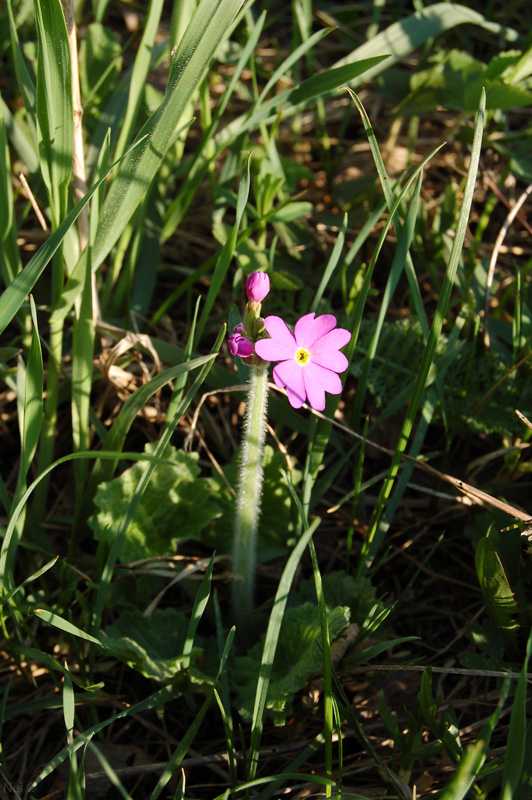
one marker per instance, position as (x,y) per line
(310,360)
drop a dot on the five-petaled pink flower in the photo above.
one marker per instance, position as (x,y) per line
(309,358)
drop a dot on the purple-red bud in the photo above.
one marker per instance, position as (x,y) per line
(257,286)
(239,345)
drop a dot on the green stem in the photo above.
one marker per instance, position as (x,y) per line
(249,492)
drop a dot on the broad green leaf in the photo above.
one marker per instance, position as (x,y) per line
(175,506)
(498,595)
(297,657)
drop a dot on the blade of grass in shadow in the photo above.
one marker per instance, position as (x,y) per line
(200,604)
(325,641)
(396,270)
(139,74)
(154,701)
(208,27)
(226,255)
(372,541)
(9,255)
(164,441)
(188,738)
(16,293)
(331,264)
(476,754)
(116,436)
(514,757)
(270,644)
(6,573)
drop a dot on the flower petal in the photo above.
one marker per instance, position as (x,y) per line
(333,340)
(308,329)
(289,375)
(331,360)
(282,344)
(319,380)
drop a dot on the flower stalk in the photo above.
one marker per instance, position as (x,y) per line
(249,492)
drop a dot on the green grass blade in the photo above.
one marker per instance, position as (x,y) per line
(401,38)
(55,119)
(163,443)
(208,27)
(190,735)
(227,252)
(270,644)
(64,625)
(9,256)
(200,603)
(139,74)
(33,398)
(82,354)
(156,700)
(25,82)
(475,755)
(16,293)
(369,546)
(514,758)
(331,264)
(114,441)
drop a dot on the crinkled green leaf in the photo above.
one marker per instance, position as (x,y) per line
(297,658)
(341,589)
(152,645)
(176,505)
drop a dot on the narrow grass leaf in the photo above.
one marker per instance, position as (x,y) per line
(16,293)
(475,755)
(139,74)
(270,643)
(25,82)
(7,597)
(190,735)
(331,264)
(32,414)
(514,758)
(164,441)
(64,625)
(368,546)
(209,25)
(55,119)
(200,603)
(114,441)
(224,259)
(401,38)
(9,255)
(154,701)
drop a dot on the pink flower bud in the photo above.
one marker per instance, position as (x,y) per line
(239,345)
(257,286)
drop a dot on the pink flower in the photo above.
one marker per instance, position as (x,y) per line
(309,358)
(257,286)
(238,344)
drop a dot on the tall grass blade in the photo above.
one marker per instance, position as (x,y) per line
(270,644)
(208,27)
(371,543)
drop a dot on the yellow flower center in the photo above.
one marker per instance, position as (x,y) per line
(302,356)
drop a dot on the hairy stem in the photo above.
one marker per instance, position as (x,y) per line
(249,492)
